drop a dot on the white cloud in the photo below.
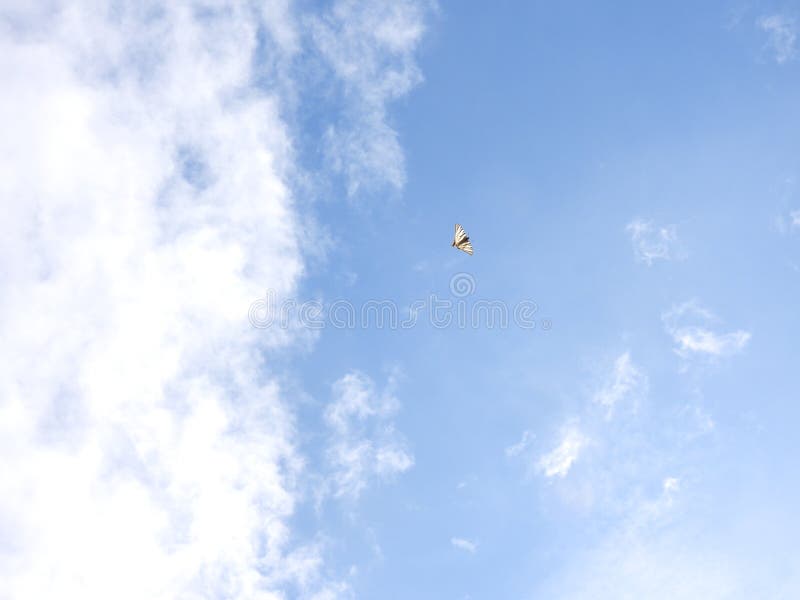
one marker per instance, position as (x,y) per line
(675,546)
(651,242)
(146,452)
(370,47)
(688,324)
(558,461)
(699,340)
(671,485)
(781,31)
(646,564)
(697,421)
(364,444)
(620,458)
(464,544)
(520,446)
(788,223)
(625,382)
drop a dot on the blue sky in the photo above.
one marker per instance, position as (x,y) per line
(546,130)
(631,169)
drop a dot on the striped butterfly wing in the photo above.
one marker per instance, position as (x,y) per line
(461,240)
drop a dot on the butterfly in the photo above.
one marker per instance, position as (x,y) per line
(461,240)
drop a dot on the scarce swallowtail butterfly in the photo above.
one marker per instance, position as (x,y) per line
(461,240)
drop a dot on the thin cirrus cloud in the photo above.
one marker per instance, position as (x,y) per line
(521,445)
(464,544)
(146,452)
(626,382)
(618,452)
(689,325)
(651,242)
(559,460)
(638,486)
(781,32)
(788,223)
(645,554)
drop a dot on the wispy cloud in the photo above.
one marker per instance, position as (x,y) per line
(625,382)
(620,457)
(671,485)
(651,242)
(646,560)
(689,325)
(788,223)
(364,444)
(781,33)
(645,553)
(698,340)
(370,47)
(464,544)
(520,446)
(560,459)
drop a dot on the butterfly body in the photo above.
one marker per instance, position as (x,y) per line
(461,240)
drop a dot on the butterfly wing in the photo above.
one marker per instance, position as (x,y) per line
(460,235)
(461,240)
